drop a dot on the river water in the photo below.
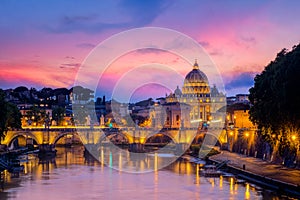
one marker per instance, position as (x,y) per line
(71,175)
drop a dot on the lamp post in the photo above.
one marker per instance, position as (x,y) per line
(230,137)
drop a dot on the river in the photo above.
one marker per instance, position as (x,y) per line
(71,175)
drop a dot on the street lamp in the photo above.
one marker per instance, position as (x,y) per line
(247,142)
(247,134)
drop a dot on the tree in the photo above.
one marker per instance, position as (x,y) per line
(58,115)
(276,100)
(10,117)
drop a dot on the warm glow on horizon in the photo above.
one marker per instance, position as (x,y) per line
(44,49)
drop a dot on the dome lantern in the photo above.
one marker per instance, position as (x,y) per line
(196,66)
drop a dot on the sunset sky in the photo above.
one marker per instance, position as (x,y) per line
(44,43)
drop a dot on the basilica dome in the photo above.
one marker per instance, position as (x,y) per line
(196,76)
(196,83)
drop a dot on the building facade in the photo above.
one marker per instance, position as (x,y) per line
(197,94)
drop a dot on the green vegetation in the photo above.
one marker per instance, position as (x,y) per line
(276,102)
(10,117)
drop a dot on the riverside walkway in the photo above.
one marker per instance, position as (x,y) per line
(260,167)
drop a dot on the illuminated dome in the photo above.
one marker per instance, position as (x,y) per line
(196,83)
(196,76)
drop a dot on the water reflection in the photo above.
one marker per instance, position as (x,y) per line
(74,174)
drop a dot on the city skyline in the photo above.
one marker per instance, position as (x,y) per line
(44,44)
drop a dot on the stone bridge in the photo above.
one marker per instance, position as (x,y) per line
(95,135)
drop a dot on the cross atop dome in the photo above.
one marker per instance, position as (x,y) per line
(196,66)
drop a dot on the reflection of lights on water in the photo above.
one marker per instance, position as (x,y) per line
(155,173)
(120,163)
(102,157)
(188,168)
(212,181)
(231,185)
(155,162)
(197,175)
(110,160)
(148,163)
(247,191)
(221,181)
(142,166)
(235,187)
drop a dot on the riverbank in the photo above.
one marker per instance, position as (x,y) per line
(261,172)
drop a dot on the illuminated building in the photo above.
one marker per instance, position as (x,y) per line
(196,93)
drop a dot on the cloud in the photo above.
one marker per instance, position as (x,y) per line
(86,45)
(70,57)
(70,65)
(149,51)
(248,39)
(244,79)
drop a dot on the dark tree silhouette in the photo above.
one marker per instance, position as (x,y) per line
(276,101)
(10,117)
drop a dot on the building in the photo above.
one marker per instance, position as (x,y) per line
(242,98)
(239,98)
(204,101)
(170,115)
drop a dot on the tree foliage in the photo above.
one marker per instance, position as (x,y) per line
(58,115)
(276,98)
(10,117)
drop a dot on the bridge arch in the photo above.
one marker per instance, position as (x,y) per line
(12,136)
(63,134)
(160,136)
(111,135)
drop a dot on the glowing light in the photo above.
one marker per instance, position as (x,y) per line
(155,162)
(294,137)
(247,134)
(120,163)
(247,192)
(221,181)
(110,160)
(212,182)
(197,175)
(215,121)
(196,120)
(231,185)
